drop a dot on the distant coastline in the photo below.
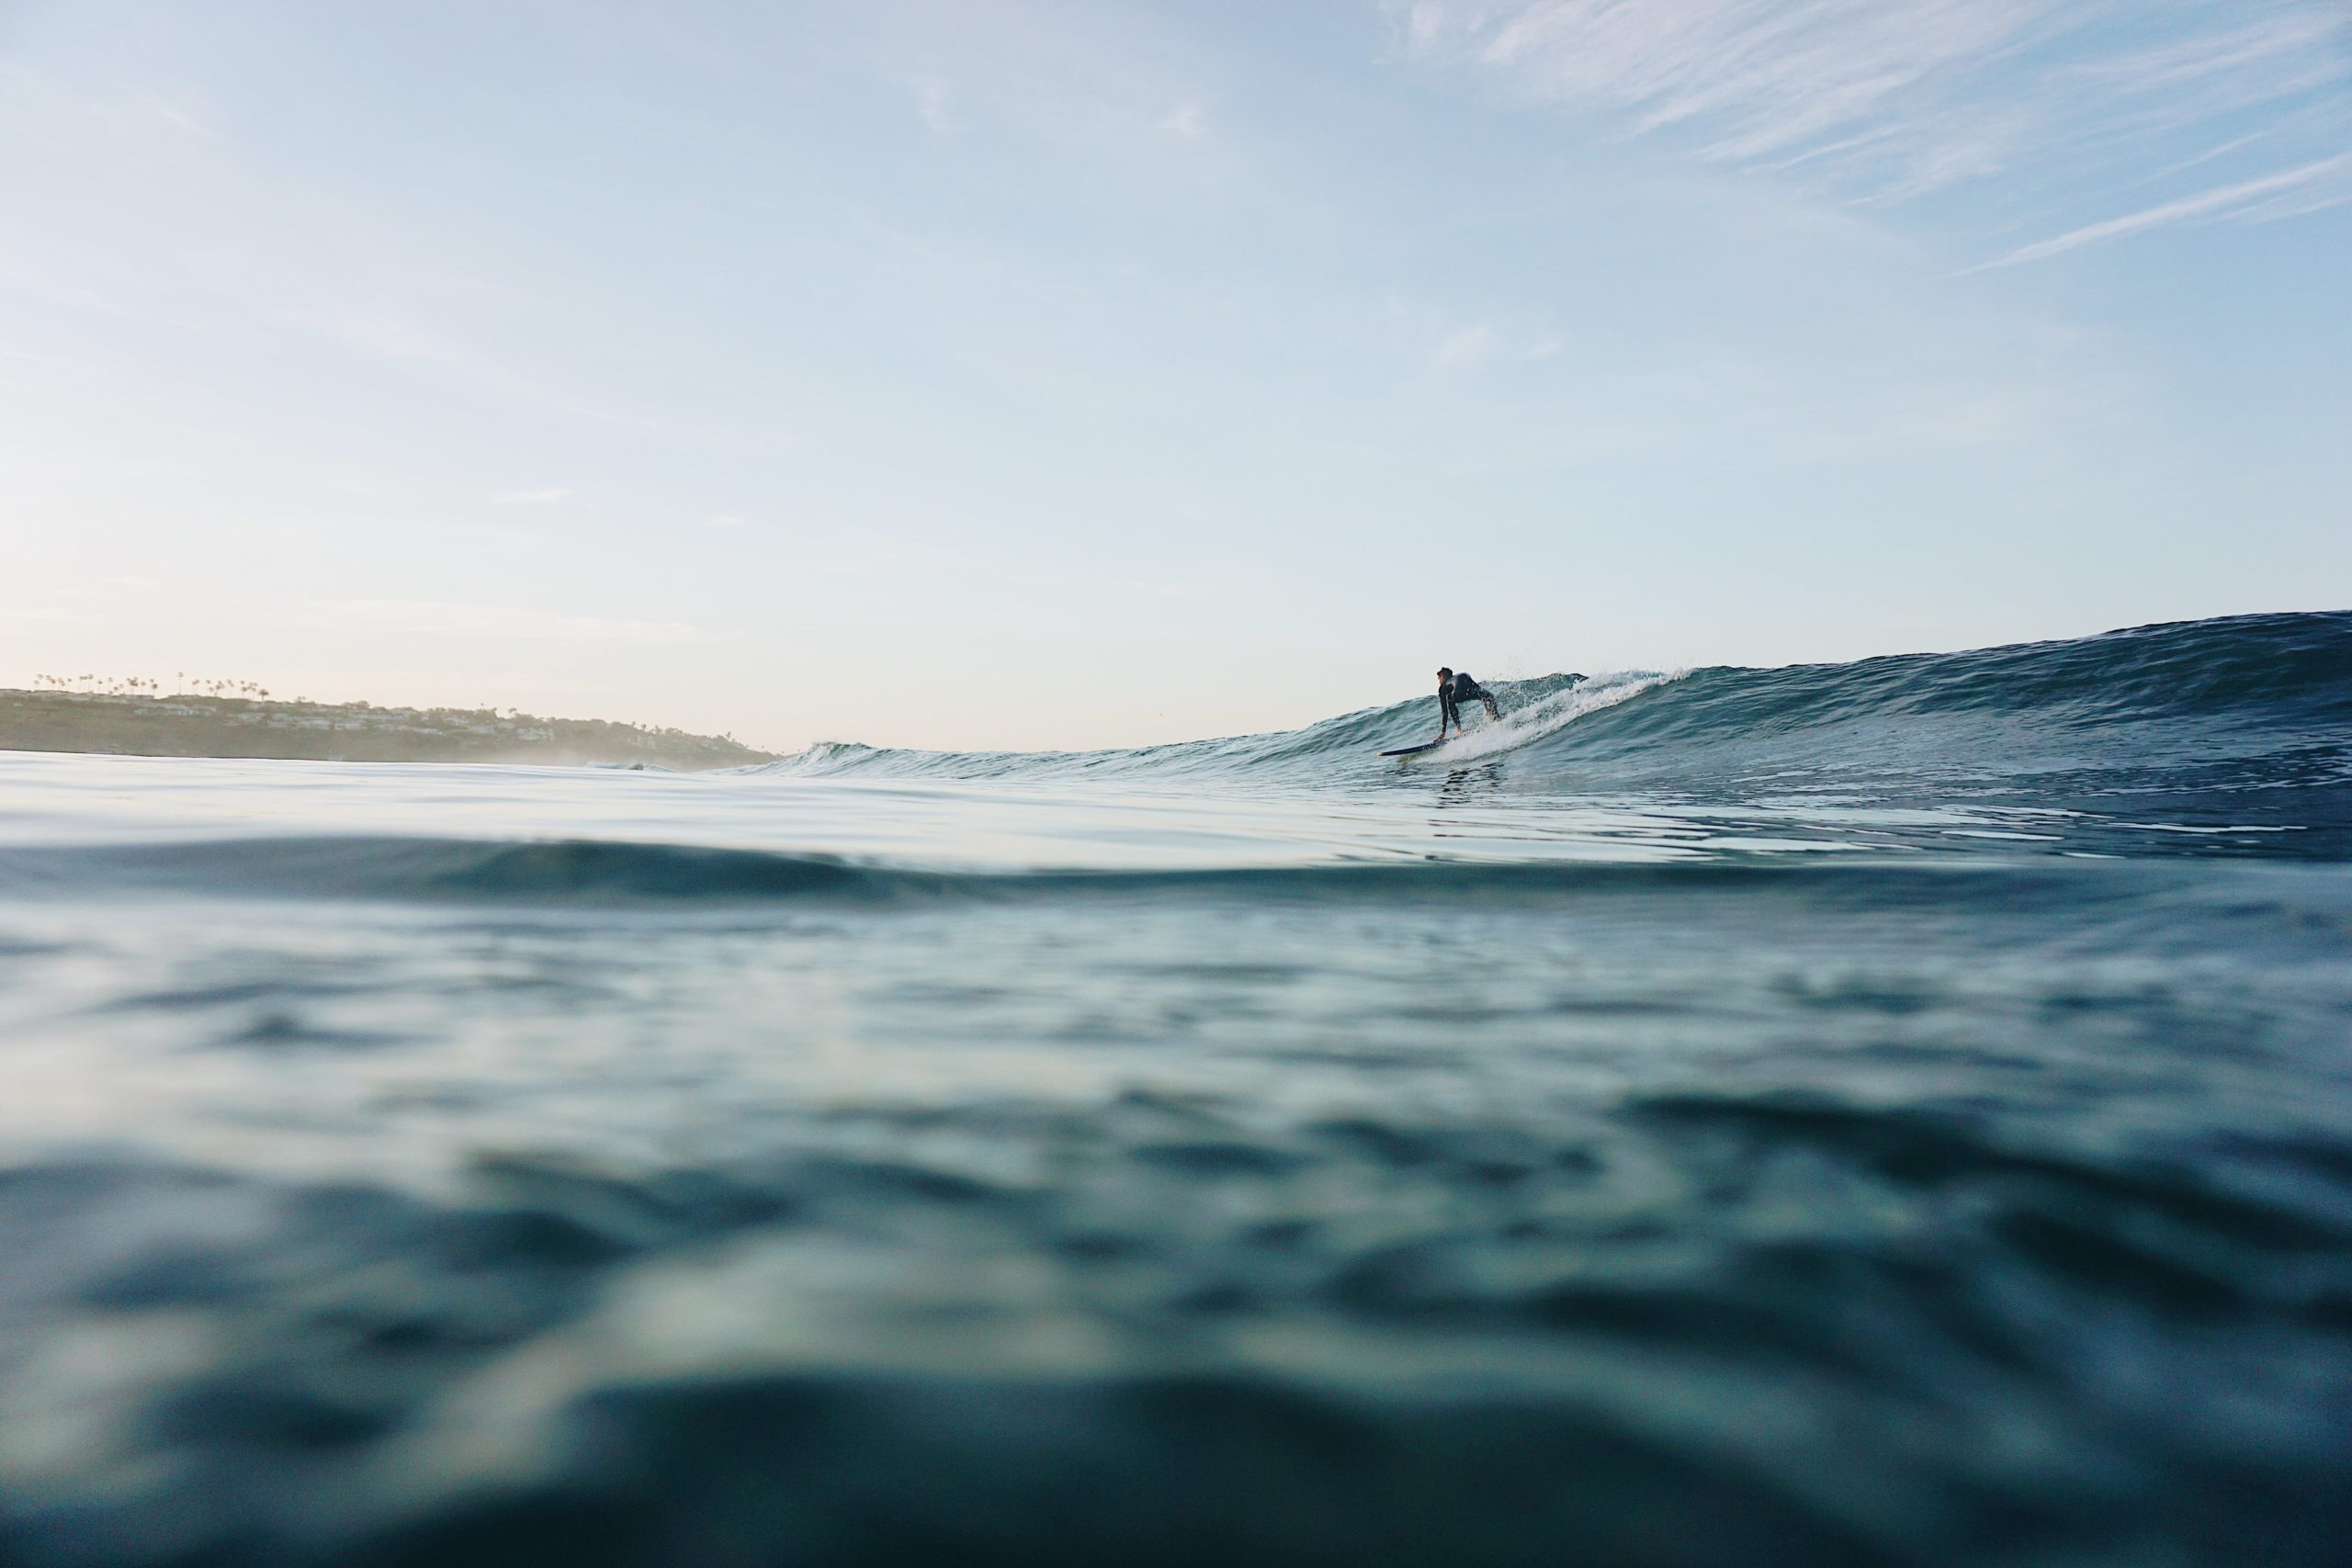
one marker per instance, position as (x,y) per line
(153,725)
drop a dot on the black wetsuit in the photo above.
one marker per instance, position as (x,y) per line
(1452,695)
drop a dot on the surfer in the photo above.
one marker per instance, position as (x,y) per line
(1453,691)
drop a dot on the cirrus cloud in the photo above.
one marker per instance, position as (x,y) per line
(2063,102)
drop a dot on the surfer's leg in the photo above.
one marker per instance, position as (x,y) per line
(1492,711)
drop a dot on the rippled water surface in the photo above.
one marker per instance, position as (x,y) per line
(1886,1114)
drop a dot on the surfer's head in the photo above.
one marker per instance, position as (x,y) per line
(1443,673)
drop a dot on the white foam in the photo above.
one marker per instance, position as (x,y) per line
(1551,715)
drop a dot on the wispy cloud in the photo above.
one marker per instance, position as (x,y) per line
(546,495)
(2243,201)
(1892,100)
(432,618)
(1471,345)
(931,103)
(1104,79)
(1754,79)
(1481,344)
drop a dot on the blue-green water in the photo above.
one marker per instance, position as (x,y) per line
(1897,1112)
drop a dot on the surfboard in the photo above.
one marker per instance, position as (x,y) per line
(1414,750)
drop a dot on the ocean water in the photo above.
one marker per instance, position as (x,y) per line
(1896,1112)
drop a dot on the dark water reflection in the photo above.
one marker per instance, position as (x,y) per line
(1724,1214)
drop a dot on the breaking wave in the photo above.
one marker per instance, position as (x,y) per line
(2249,675)
(2236,724)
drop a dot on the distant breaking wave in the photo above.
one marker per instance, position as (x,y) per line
(2244,722)
(1536,708)
(2245,675)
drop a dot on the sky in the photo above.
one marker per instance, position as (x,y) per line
(1029,374)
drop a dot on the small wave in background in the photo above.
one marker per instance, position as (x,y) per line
(1893,1113)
